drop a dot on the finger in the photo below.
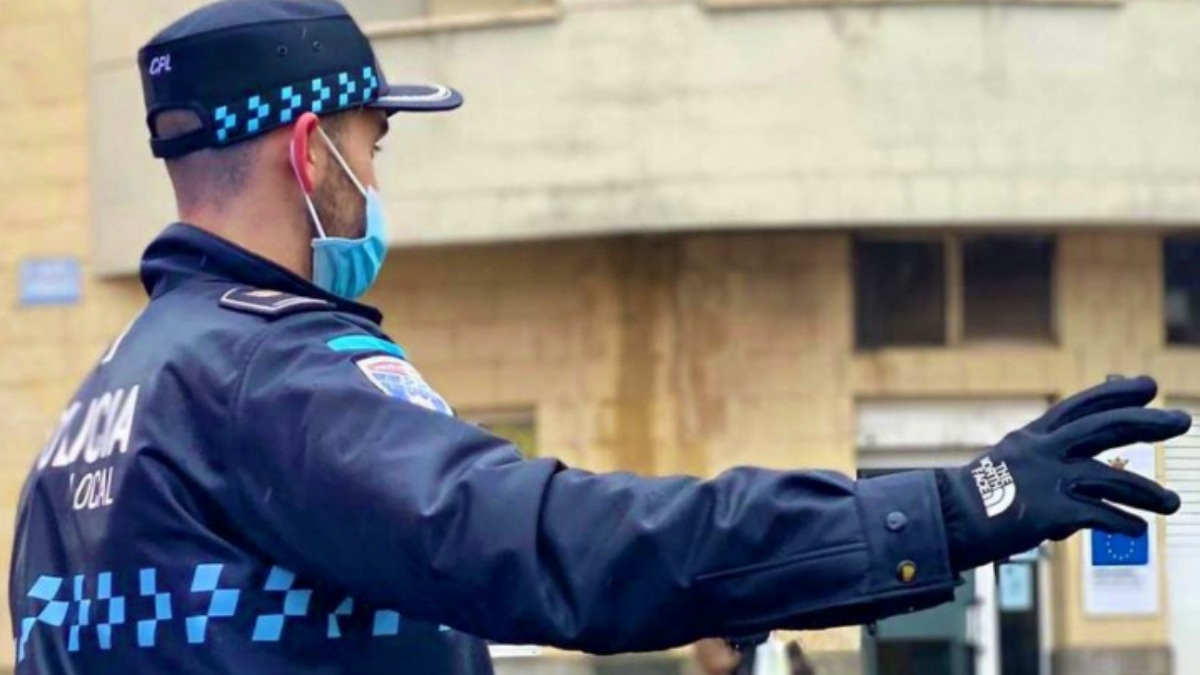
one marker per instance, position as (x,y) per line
(1110,519)
(1133,392)
(1128,489)
(1116,428)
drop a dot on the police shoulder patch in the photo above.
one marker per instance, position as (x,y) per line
(399,379)
(273,304)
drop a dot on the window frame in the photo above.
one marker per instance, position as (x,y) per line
(901,237)
(1054,338)
(1167,239)
(955,290)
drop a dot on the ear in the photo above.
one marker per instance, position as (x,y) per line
(303,160)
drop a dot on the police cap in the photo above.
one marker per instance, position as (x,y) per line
(245,67)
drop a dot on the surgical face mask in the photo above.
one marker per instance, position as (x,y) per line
(348,267)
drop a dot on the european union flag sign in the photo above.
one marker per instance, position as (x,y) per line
(1116,550)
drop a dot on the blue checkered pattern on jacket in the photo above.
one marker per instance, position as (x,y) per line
(147,629)
(53,614)
(81,608)
(269,627)
(222,603)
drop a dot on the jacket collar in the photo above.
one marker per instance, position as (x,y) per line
(184,254)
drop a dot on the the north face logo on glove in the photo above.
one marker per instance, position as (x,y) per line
(996,486)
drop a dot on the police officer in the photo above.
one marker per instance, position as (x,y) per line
(255,479)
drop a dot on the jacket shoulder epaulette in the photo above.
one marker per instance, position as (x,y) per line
(271,304)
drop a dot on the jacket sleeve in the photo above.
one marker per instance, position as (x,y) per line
(416,510)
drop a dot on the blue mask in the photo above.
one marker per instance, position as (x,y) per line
(348,267)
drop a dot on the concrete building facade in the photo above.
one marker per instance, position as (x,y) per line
(647,243)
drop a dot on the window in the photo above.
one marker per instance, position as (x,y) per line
(1181,269)
(1007,288)
(516,426)
(900,293)
(952,289)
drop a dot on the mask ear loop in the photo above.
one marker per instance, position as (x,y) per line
(298,154)
(341,160)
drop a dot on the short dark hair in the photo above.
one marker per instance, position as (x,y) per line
(215,174)
(204,175)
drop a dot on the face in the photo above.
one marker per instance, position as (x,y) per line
(338,202)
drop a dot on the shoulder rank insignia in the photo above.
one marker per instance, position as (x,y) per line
(272,304)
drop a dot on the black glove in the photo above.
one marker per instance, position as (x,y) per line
(1042,482)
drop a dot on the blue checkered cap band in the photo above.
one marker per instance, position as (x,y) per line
(260,113)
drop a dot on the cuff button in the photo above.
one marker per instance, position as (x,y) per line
(896,521)
(906,571)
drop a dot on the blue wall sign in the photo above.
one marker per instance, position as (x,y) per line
(50,281)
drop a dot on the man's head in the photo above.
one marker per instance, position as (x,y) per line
(340,205)
(268,114)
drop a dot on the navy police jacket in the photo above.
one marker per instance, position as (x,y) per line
(254,479)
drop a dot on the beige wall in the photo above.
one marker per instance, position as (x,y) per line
(44,211)
(657,115)
(701,352)
(657,354)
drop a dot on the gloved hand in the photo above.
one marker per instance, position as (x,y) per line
(1041,482)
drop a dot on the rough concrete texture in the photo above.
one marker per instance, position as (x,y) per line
(686,356)
(661,115)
